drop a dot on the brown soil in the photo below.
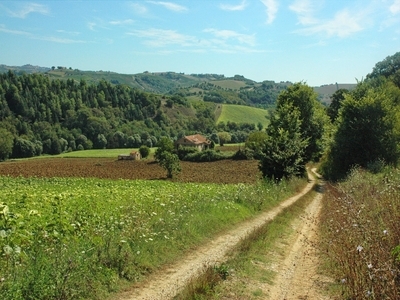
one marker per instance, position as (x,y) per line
(297,265)
(225,171)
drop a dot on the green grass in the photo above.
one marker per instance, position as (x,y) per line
(248,261)
(81,238)
(243,114)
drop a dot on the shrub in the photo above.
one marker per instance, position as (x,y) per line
(184,151)
(144,151)
(205,156)
(243,154)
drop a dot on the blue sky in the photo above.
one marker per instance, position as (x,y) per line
(316,41)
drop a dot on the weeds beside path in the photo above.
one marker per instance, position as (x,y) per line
(172,279)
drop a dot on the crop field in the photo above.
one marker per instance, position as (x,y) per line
(243,114)
(225,171)
(75,236)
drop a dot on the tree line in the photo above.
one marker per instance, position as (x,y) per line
(360,128)
(39,115)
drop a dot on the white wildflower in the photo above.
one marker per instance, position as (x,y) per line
(359,248)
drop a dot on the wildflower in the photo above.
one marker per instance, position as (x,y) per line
(385,232)
(369,266)
(359,248)
(343,280)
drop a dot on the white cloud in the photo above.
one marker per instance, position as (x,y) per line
(395,7)
(231,7)
(304,11)
(58,40)
(139,8)
(342,25)
(28,8)
(229,34)
(12,31)
(74,33)
(272,9)
(122,22)
(161,37)
(170,5)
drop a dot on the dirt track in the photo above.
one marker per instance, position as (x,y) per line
(169,281)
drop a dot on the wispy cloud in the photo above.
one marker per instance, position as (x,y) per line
(122,22)
(58,40)
(229,34)
(395,7)
(170,6)
(271,8)
(304,11)
(72,33)
(42,38)
(139,8)
(28,8)
(12,31)
(343,24)
(162,37)
(233,7)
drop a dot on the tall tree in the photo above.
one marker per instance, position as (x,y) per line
(6,143)
(312,116)
(368,130)
(284,147)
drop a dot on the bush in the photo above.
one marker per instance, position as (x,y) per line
(144,151)
(243,154)
(184,151)
(205,156)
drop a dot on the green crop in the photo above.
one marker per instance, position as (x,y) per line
(67,238)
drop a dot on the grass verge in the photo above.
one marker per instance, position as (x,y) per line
(361,234)
(237,278)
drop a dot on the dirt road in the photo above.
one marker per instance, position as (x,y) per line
(169,281)
(297,276)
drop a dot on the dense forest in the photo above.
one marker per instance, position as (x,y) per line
(39,115)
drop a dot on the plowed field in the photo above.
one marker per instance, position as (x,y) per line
(225,171)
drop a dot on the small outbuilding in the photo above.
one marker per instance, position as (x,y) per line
(197,140)
(134,155)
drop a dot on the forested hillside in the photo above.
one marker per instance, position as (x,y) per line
(42,115)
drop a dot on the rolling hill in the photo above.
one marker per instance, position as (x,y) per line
(242,114)
(209,87)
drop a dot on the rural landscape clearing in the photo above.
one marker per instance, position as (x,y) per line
(200,150)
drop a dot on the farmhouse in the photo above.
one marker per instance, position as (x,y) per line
(197,140)
(134,155)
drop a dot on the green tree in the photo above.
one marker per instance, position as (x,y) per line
(368,130)
(144,151)
(164,145)
(387,67)
(6,143)
(283,150)
(312,116)
(336,100)
(224,137)
(170,162)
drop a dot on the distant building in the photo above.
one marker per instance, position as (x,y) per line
(197,140)
(134,155)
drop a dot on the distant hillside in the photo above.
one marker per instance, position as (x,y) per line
(207,87)
(243,114)
(325,91)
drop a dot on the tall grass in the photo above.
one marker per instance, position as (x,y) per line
(361,230)
(71,238)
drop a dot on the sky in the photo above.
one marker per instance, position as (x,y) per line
(314,41)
